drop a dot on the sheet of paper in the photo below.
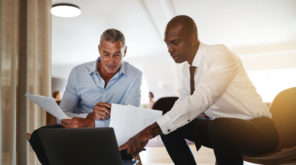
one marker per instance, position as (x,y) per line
(49,105)
(127,121)
(71,115)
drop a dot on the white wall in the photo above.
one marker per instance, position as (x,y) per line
(160,73)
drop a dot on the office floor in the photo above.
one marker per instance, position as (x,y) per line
(157,155)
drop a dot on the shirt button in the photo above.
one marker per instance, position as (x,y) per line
(169,130)
(188,120)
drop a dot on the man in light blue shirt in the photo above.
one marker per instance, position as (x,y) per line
(92,87)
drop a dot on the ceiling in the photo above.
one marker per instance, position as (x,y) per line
(236,23)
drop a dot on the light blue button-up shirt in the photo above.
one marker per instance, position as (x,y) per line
(85,88)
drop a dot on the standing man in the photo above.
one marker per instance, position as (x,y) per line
(218,108)
(92,88)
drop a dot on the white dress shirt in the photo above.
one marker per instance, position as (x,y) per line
(222,89)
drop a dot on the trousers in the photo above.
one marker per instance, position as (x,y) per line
(230,138)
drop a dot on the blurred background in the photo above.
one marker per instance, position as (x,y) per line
(262,33)
(38,51)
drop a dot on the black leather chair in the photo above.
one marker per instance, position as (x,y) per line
(165,104)
(283,109)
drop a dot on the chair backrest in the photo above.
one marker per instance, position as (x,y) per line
(165,104)
(283,109)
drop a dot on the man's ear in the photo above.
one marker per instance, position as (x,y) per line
(125,49)
(99,49)
(193,39)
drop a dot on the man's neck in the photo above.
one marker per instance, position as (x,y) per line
(106,76)
(193,53)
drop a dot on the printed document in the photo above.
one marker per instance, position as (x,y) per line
(129,120)
(49,105)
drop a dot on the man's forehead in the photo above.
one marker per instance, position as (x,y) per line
(175,31)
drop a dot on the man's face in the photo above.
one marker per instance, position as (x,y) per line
(178,43)
(111,56)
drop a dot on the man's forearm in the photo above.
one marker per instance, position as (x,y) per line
(90,123)
(154,130)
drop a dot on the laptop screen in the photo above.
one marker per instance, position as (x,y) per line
(78,146)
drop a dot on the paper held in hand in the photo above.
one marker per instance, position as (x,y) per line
(129,120)
(49,105)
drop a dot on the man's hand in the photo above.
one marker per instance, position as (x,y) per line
(137,143)
(77,122)
(101,111)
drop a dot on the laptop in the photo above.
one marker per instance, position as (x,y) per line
(79,146)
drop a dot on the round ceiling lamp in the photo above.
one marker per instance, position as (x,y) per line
(65,10)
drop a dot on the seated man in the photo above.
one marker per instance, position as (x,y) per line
(92,88)
(218,107)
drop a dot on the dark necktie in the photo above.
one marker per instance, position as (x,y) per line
(192,71)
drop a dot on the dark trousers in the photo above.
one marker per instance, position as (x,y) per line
(39,150)
(230,138)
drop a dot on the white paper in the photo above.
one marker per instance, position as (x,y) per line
(71,115)
(127,121)
(48,104)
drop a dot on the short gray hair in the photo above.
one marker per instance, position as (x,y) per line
(113,35)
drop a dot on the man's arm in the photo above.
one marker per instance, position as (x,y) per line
(77,122)
(221,69)
(134,95)
(69,104)
(137,143)
(70,97)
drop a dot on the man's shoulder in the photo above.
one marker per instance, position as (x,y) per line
(216,51)
(87,66)
(132,70)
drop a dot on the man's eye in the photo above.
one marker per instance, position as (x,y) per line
(176,42)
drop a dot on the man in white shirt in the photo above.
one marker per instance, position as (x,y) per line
(218,107)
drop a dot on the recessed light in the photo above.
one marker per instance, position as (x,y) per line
(65,10)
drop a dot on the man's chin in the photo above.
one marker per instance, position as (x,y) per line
(178,61)
(112,70)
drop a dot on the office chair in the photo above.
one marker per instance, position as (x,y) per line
(283,109)
(165,104)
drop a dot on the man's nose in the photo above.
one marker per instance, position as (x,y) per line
(112,60)
(170,49)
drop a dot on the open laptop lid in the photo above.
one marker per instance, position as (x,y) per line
(78,146)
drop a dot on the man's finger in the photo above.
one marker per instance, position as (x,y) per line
(107,105)
(66,120)
(100,108)
(123,147)
(106,111)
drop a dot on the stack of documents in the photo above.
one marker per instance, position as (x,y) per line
(126,120)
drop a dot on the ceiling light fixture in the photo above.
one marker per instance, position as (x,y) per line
(65,10)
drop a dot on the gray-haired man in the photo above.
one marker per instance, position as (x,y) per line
(92,87)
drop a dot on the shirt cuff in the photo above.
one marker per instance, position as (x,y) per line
(101,123)
(166,125)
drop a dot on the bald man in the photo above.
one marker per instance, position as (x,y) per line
(218,106)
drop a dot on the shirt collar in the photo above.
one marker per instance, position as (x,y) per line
(93,69)
(198,55)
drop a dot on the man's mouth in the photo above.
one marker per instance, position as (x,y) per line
(174,57)
(112,66)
